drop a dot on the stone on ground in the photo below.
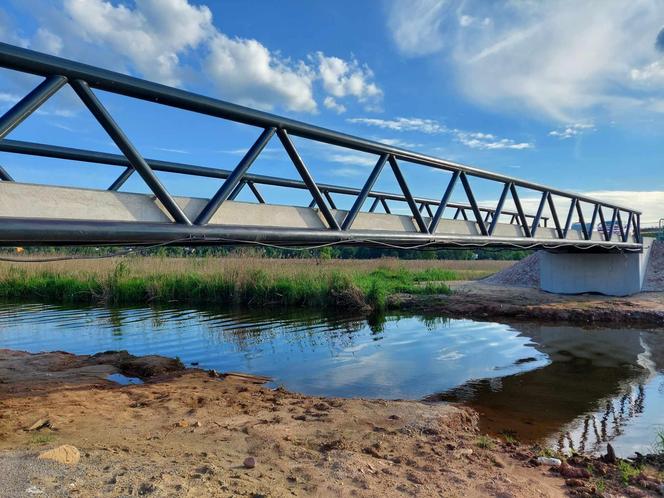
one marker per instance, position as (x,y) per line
(66,454)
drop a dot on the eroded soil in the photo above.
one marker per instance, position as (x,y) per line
(194,433)
(482,300)
(185,433)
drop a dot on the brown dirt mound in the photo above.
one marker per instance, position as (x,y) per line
(524,273)
(654,281)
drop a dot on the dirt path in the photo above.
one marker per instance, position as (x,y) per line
(185,433)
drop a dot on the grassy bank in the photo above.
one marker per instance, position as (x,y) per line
(232,281)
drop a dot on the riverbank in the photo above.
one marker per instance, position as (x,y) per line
(357,284)
(185,432)
(443,287)
(482,300)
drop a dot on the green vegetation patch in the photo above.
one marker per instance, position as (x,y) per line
(315,287)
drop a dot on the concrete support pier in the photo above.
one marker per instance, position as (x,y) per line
(608,274)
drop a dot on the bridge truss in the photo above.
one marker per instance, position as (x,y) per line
(31,214)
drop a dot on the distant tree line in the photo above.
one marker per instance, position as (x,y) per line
(332,252)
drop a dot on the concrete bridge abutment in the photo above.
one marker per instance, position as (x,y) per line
(612,274)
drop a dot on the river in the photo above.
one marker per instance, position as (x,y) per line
(568,387)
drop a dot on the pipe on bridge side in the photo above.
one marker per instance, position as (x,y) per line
(30,231)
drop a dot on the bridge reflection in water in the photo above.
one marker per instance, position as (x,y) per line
(594,389)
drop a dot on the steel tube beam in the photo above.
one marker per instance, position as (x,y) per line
(499,208)
(138,163)
(307,178)
(538,216)
(234,178)
(76,232)
(236,191)
(584,228)
(443,202)
(120,180)
(29,61)
(362,196)
(554,215)
(473,204)
(519,210)
(30,103)
(570,214)
(256,192)
(409,197)
(330,201)
(4,176)
(602,221)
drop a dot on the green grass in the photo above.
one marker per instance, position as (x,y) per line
(627,471)
(258,287)
(485,442)
(41,438)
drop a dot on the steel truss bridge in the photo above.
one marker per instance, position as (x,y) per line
(43,214)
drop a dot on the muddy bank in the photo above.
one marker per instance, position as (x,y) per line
(193,433)
(486,301)
(185,433)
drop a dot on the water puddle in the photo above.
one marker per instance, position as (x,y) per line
(568,386)
(118,378)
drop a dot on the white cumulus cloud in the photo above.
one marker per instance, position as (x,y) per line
(562,59)
(175,41)
(472,139)
(151,36)
(332,104)
(416,25)
(247,72)
(572,130)
(428,126)
(347,78)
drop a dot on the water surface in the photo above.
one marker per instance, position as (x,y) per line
(571,387)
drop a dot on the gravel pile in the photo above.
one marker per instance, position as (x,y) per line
(524,273)
(654,281)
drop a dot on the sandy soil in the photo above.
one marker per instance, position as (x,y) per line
(185,433)
(484,300)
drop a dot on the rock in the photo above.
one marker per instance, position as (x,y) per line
(554,462)
(39,424)
(634,492)
(498,462)
(575,483)
(414,478)
(462,452)
(249,462)
(146,488)
(208,469)
(573,472)
(610,456)
(66,454)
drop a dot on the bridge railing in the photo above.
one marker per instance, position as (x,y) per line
(83,79)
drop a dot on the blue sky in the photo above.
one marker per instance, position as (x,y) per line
(564,93)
